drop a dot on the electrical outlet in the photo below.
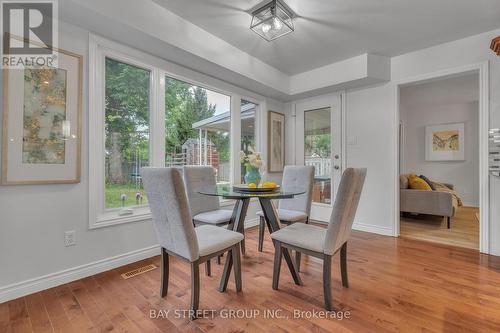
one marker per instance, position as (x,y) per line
(70,238)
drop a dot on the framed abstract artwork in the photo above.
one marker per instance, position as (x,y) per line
(445,142)
(42,123)
(276,142)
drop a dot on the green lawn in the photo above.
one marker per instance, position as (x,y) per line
(114,192)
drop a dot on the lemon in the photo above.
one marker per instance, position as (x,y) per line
(252,185)
(269,185)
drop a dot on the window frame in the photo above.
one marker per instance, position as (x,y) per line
(100,49)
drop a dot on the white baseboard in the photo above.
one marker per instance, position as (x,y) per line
(37,284)
(386,231)
(30,286)
(250,223)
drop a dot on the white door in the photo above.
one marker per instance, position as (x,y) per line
(318,128)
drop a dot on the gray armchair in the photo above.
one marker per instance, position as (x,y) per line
(324,243)
(295,178)
(176,234)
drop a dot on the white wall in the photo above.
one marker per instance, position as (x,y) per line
(33,219)
(452,100)
(371,118)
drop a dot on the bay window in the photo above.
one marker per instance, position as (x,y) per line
(142,114)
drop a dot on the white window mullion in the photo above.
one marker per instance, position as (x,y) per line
(235,142)
(157,119)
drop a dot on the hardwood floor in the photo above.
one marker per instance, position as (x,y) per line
(395,285)
(464,230)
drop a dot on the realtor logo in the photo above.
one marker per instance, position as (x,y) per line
(29,30)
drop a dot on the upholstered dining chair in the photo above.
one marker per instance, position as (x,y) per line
(320,242)
(205,209)
(295,178)
(177,235)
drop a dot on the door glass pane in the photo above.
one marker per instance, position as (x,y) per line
(127,133)
(197,125)
(248,113)
(318,151)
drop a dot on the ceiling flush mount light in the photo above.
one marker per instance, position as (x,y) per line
(272,20)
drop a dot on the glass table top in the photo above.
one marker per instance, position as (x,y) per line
(227,192)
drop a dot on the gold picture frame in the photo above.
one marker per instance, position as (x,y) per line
(23,161)
(275,142)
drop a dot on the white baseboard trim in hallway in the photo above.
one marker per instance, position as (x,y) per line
(375,229)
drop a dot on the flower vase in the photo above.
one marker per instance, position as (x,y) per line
(252,175)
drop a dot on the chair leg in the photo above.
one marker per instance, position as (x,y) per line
(219,259)
(298,255)
(235,253)
(243,247)
(164,273)
(449,224)
(327,278)
(208,270)
(277,264)
(343,265)
(307,220)
(195,289)
(261,233)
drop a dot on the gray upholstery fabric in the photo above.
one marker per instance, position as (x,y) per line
(303,235)
(214,216)
(212,239)
(344,209)
(298,178)
(172,221)
(288,215)
(197,178)
(427,202)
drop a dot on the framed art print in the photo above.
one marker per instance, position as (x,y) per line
(41,123)
(276,142)
(445,142)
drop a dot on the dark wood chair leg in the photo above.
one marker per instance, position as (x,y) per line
(327,278)
(343,265)
(298,256)
(219,259)
(235,253)
(243,247)
(195,289)
(261,233)
(307,220)
(277,264)
(226,272)
(164,273)
(449,224)
(208,270)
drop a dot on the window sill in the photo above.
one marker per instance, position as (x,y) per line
(114,218)
(140,214)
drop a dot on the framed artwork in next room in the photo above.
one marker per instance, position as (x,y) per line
(445,142)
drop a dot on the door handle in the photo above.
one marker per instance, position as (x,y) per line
(336,167)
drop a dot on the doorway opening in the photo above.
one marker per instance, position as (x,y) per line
(441,166)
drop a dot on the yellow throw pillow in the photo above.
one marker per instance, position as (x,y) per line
(417,183)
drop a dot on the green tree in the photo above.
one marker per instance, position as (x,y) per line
(127,115)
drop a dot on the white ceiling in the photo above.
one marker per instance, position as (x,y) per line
(331,30)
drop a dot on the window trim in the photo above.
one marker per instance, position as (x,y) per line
(101,48)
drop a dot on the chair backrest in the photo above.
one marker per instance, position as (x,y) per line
(344,209)
(172,221)
(298,178)
(197,178)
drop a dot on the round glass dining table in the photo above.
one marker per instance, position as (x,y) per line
(238,219)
